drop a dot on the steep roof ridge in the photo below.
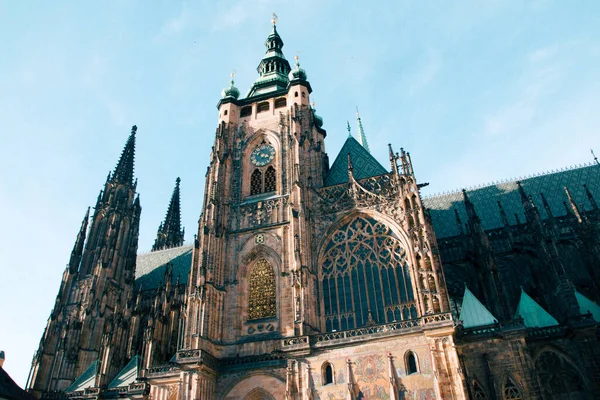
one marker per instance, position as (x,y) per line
(510,180)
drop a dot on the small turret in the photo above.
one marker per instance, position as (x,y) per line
(79,243)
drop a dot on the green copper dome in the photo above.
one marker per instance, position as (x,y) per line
(297,73)
(230,91)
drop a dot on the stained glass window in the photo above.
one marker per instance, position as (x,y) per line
(261,298)
(256,182)
(270,179)
(365,277)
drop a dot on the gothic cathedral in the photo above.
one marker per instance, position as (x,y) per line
(310,281)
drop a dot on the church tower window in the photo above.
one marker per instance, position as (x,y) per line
(246,111)
(264,106)
(511,390)
(261,291)
(256,182)
(280,102)
(270,179)
(365,277)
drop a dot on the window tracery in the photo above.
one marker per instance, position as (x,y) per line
(558,376)
(511,390)
(478,392)
(256,182)
(261,291)
(270,180)
(365,277)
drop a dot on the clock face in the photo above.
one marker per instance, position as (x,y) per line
(262,155)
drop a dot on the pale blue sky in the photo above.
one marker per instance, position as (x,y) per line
(475,90)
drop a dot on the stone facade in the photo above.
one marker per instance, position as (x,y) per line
(311,281)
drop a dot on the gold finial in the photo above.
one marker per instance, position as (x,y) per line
(274,19)
(232,75)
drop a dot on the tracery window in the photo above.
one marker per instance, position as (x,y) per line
(365,277)
(270,179)
(511,390)
(558,377)
(256,182)
(478,392)
(261,291)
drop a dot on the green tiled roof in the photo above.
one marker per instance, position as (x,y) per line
(473,313)
(363,163)
(486,199)
(150,267)
(586,305)
(85,380)
(534,316)
(127,376)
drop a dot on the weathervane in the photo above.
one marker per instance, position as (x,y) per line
(274,19)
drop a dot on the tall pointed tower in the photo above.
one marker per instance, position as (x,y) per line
(85,325)
(170,234)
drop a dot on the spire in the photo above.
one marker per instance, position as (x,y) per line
(471,213)
(169,232)
(349,129)
(273,68)
(503,215)
(590,197)
(78,247)
(124,170)
(362,138)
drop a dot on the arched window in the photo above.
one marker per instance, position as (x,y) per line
(256,182)
(295,94)
(478,392)
(280,102)
(225,112)
(261,291)
(510,390)
(264,106)
(270,180)
(246,111)
(411,363)
(558,377)
(327,372)
(365,276)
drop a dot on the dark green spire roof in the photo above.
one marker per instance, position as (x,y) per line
(363,163)
(273,68)
(124,169)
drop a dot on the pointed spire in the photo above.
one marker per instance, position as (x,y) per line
(573,205)
(349,129)
(393,160)
(78,247)
(124,170)
(590,197)
(350,169)
(170,233)
(546,206)
(362,138)
(471,213)
(503,215)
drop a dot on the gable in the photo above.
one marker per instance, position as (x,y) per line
(363,163)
